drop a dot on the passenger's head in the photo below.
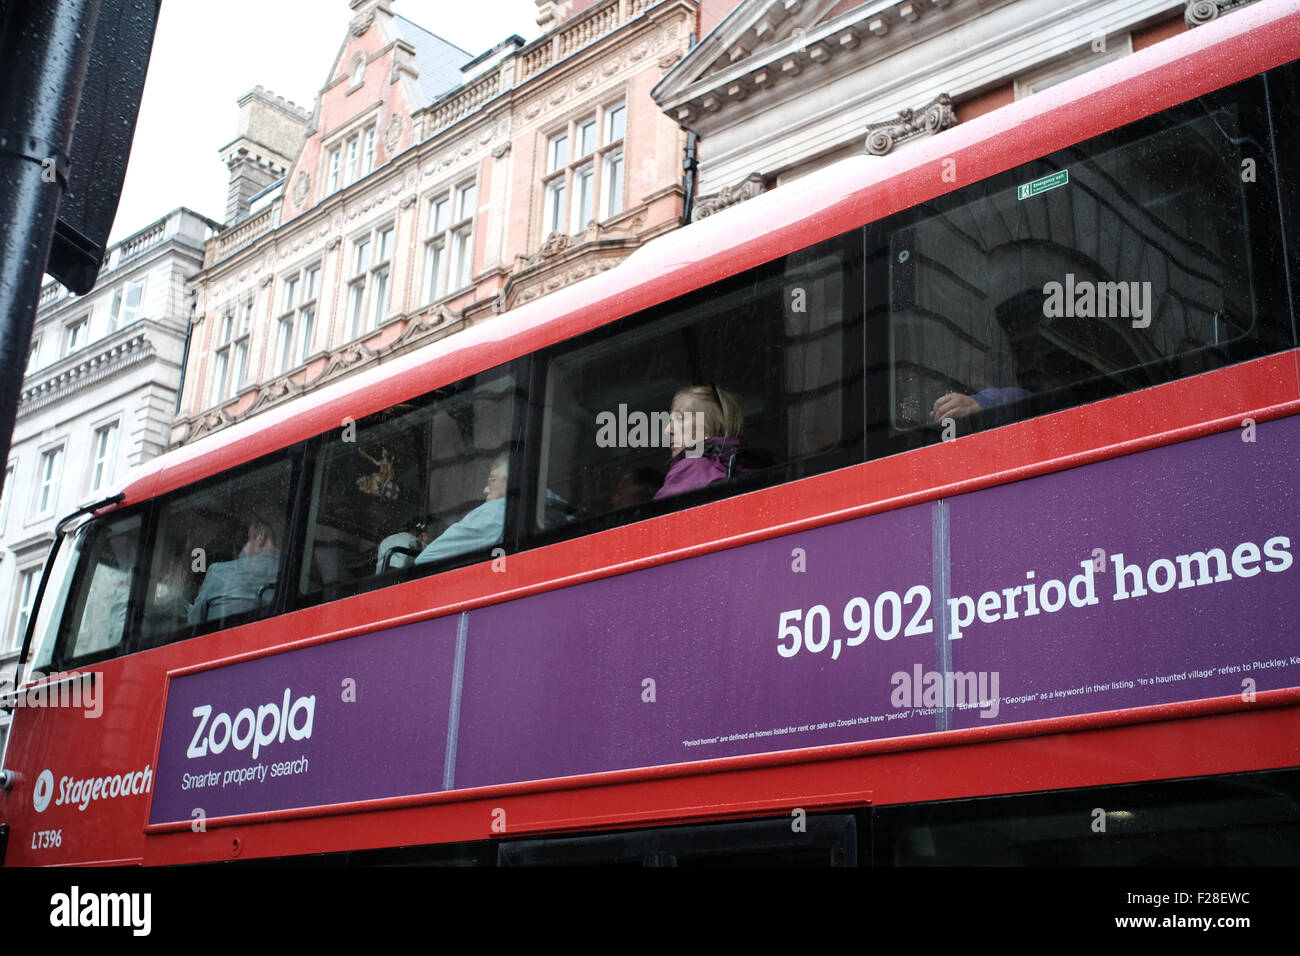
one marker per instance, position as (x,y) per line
(636,487)
(261,535)
(498,474)
(707,407)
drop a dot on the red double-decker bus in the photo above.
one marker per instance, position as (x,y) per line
(987,554)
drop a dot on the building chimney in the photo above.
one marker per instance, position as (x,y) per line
(270,134)
(551,13)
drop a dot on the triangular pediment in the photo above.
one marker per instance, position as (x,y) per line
(753,32)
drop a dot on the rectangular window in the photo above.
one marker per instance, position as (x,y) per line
(449,250)
(356,307)
(290,294)
(127,304)
(612,183)
(591,173)
(284,345)
(583,183)
(423,485)
(215,560)
(27,584)
(231,352)
(1127,260)
(306,323)
(31,356)
(96,615)
(220,371)
(558,153)
(553,214)
(48,475)
(75,336)
(336,163)
(379,296)
(104,446)
(354,152)
(773,386)
(368,161)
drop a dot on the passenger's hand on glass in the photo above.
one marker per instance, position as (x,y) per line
(953,405)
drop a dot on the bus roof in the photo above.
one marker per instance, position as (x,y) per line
(818,206)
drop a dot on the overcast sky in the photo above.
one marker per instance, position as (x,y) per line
(208,54)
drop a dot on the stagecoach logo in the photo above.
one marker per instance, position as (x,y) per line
(271,724)
(82,792)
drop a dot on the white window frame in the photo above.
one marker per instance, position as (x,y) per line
(295,329)
(449,246)
(231,351)
(25,587)
(123,313)
(582,185)
(76,335)
(103,453)
(32,355)
(366,310)
(335,171)
(58,453)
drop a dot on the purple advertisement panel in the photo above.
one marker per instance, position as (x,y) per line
(1163,576)
(355,719)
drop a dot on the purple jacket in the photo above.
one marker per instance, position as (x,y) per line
(687,474)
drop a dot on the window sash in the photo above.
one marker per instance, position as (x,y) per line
(307,320)
(50,474)
(105,455)
(553,218)
(284,346)
(584,181)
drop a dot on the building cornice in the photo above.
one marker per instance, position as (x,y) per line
(75,373)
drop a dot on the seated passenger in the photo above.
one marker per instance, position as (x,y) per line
(482,527)
(699,459)
(232,587)
(636,487)
(392,550)
(957,405)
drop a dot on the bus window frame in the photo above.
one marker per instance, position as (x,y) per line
(850,450)
(512,373)
(1268,334)
(135,638)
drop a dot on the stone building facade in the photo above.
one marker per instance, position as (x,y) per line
(98,398)
(783,87)
(432,189)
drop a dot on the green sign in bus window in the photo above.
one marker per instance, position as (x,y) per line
(1043,184)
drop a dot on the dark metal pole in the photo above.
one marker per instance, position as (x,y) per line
(44,50)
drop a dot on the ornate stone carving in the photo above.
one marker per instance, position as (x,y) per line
(749,187)
(334,244)
(499,152)
(554,245)
(394,135)
(1203,11)
(408,202)
(931,118)
(301,187)
(265,281)
(361,22)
